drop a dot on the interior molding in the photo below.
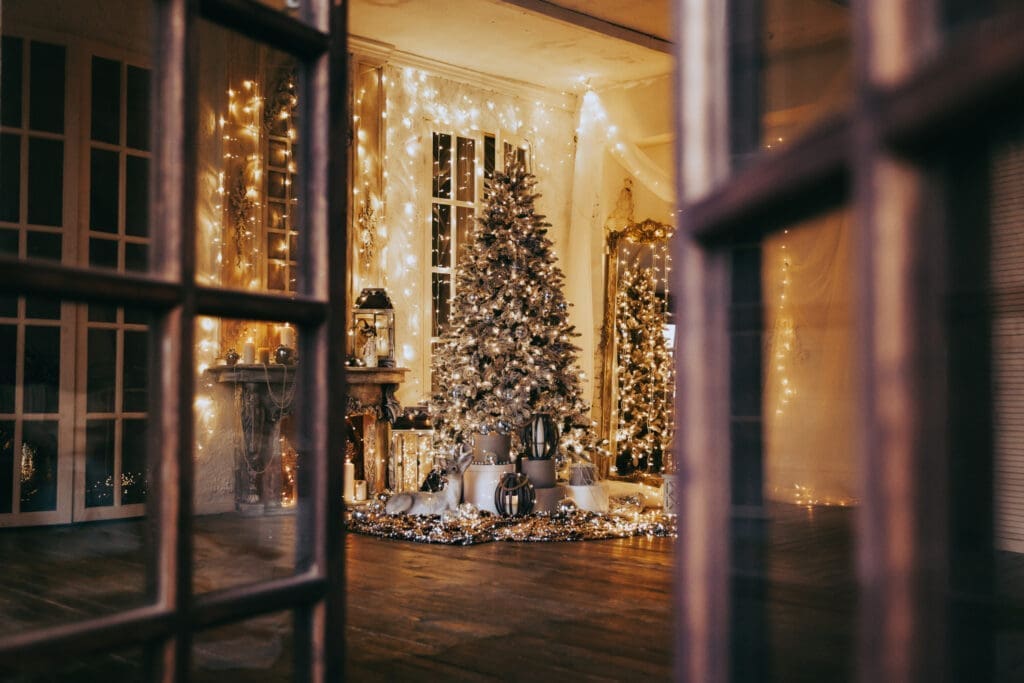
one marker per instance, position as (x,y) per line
(375,50)
(608,28)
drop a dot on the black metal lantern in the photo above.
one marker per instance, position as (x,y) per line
(514,495)
(373,327)
(540,437)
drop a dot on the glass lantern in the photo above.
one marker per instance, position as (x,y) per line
(373,328)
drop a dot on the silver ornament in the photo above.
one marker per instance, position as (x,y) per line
(566,507)
(469,511)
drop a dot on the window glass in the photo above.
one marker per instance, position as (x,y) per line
(794,471)
(258,649)
(248,203)
(791,66)
(246,457)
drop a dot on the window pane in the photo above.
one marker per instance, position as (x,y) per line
(259,649)
(42,369)
(8,306)
(106,100)
(466,165)
(10,81)
(441,248)
(465,222)
(8,366)
(102,313)
(7,470)
(248,193)
(43,245)
(101,374)
(10,177)
(135,371)
(45,182)
(124,666)
(442,166)
(104,183)
(138,108)
(46,88)
(136,211)
(9,242)
(134,481)
(39,451)
(43,309)
(791,67)
(99,463)
(102,253)
(794,471)
(246,458)
(136,257)
(441,289)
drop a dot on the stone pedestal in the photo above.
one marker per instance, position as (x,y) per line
(263,394)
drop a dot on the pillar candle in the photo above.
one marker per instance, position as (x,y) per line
(361,489)
(249,353)
(288,337)
(264,355)
(349,492)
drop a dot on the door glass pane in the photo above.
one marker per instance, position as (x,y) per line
(138,108)
(8,469)
(102,253)
(8,366)
(45,182)
(791,67)
(466,170)
(258,649)
(246,458)
(99,463)
(42,369)
(101,374)
(134,478)
(135,371)
(10,179)
(46,87)
(44,245)
(442,166)
(249,194)
(136,212)
(10,81)
(104,190)
(106,100)
(38,471)
(441,251)
(794,471)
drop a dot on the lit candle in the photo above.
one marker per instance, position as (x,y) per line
(249,352)
(360,489)
(350,481)
(515,504)
(288,337)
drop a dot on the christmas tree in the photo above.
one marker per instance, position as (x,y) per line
(645,374)
(509,351)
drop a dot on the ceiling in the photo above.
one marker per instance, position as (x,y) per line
(532,41)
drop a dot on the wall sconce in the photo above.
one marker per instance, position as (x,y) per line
(373,328)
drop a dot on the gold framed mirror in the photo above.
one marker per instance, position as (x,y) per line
(635,389)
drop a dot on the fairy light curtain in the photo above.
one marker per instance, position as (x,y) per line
(808,361)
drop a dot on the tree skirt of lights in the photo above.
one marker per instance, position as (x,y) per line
(467,525)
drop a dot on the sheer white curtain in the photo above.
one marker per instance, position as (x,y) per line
(808,361)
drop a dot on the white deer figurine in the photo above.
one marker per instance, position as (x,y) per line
(430,502)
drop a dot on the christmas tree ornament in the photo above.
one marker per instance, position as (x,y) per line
(566,507)
(514,495)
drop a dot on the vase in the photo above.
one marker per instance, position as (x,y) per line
(480,482)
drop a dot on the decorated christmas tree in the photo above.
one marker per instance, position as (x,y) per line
(645,374)
(509,352)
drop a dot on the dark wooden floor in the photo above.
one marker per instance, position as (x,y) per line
(595,610)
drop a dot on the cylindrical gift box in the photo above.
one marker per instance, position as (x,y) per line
(591,498)
(493,443)
(548,499)
(540,472)
(480,482)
